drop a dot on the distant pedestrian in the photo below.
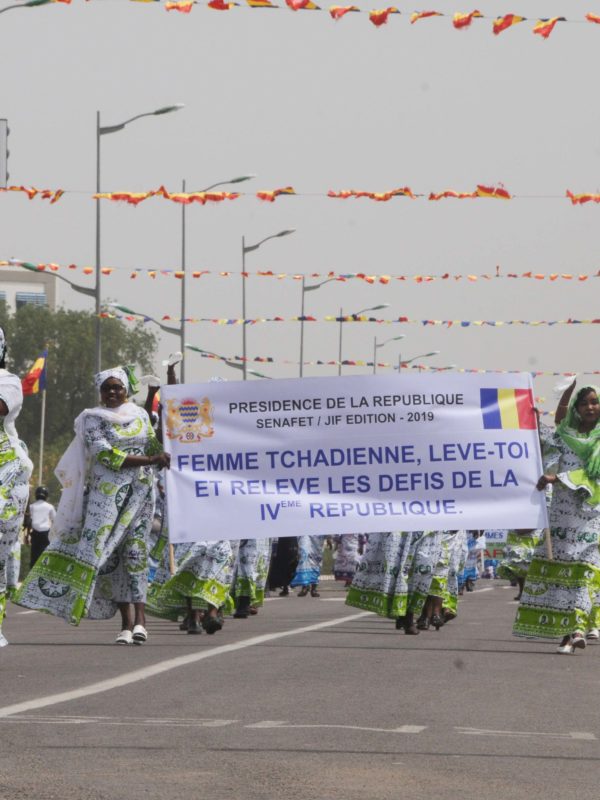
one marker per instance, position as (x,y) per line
(38,522)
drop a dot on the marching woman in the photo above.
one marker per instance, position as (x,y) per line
(250,576)
(97,561)
(308,571)
(518,554)
(201,585)
(348,548)
(559,591)
(284,560)
(15,470)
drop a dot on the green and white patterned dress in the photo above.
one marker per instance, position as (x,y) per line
(558,596)
(88,569)
(251,570)
(395,573)
(518,553)
(15,471)
(203,577)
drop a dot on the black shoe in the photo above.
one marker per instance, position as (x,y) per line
(212,624)
(194,626)
(185,623)
(242,607)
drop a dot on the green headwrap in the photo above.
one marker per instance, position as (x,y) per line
(134,384)
(586,447)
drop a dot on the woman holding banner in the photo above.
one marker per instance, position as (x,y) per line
(558,596)
(15,470)
(96,563)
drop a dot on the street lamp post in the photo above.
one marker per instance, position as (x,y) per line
(356,314)
(414,358)
(306,288)
(377,345)
(249,248)
(103,131)
(182,336)
(29,4)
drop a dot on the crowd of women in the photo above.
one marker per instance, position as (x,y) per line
(110,552)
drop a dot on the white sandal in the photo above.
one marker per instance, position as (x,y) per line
(140,634)
(125,637)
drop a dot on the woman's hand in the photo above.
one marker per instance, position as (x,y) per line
(544,481)
(162,460)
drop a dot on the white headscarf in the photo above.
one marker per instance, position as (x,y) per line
(11,392)
(116,372)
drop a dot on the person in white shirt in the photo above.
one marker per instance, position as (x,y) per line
(39,520)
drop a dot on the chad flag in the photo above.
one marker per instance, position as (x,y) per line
(36,377)
(508,409)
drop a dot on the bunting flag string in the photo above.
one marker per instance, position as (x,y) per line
(202,198)
(378,16)
(351,318)
(342,277)
(382,364)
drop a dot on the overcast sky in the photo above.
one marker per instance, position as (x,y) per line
(303,101)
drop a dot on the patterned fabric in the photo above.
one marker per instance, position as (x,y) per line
(14,493)
(310,558)
(518,553)
(203,576)
(558,596)
(251,570)
(346,558)
(88,572)
(456,561)
(395,573)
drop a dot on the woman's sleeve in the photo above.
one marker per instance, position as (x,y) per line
(99,446)
(153,446)
(550,448)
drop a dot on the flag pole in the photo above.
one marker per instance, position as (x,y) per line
(42,431)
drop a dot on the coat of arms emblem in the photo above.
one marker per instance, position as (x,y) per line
(190,420)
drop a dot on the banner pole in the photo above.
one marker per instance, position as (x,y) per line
(548,544)
(42,433)
(171,559)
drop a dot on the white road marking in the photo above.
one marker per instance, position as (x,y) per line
(167,722)
(165,666)
(333,599)
(480,591)
(522,734)
(280,725)
(22,613)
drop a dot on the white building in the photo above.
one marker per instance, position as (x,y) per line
(18,287)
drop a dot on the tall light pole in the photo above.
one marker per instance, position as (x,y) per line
(306,288)
(356,314)
(29,4)
(414,358)
(377,345)
(182,337)
(103,131)
(249,248)
(226,361)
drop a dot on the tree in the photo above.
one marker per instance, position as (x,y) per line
(69,337)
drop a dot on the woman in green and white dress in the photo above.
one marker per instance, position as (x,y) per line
(96,562)
(15,471)
(559,593)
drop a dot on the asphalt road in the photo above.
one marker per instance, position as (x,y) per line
(309,700)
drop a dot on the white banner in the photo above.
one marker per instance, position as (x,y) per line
(351,455)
